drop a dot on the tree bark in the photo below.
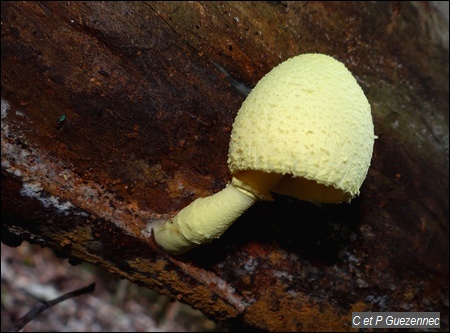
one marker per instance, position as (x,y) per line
(118,114)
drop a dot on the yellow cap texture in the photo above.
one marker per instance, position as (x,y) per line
(308,119)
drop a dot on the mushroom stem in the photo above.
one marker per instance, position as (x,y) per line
(204,219)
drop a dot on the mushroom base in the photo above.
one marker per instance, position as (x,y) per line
(203,220)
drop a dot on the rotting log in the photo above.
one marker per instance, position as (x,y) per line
(117,114)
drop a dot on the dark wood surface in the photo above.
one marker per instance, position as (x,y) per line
(149,91)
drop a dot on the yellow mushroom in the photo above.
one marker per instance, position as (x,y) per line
(305,130)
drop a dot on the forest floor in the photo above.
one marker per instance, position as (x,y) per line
(30,273)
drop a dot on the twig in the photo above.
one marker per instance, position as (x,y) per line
(41,306)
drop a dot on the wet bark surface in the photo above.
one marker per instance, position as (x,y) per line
(116,115)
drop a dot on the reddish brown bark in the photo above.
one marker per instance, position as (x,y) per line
(149,109)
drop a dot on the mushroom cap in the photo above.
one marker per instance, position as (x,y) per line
(308,120)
